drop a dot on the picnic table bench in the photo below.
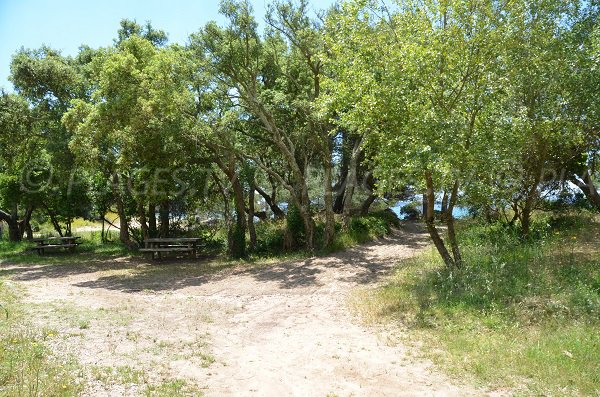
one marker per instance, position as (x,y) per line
(157,246)
(44,243)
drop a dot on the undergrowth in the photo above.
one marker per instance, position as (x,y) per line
(519,314)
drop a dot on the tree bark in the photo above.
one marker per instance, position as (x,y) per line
(16,227)
(238,249)
(328,192)
(366,205)
(164,218)
(54,221)
(351,181)
(152,231)
(444,209)
(237,233)
(123,221)
(142,219)
(251,229)
(449,218)
(430,219)
(586,185)
(340,186)
(271,202)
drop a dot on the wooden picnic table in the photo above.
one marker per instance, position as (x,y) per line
(158,245)
(68,243)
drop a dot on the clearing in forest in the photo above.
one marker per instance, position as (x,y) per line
(172,328)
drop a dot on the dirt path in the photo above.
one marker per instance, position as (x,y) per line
(277,330)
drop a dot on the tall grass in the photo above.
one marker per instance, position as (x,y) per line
(519,314)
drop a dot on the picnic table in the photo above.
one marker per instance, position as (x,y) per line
(68,243)
(158,245)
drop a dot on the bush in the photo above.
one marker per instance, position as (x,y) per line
(269,237)
(295,224)
(411,211)
(518,313)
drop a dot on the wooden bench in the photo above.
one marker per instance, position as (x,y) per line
(54,243)
(157,246)
(41,248)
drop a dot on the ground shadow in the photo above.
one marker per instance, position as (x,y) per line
(356,265)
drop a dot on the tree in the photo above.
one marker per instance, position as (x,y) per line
(22,180)
(132,126)
(273,85)
(418,85)
(49,81)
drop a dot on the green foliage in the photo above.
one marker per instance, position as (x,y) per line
(271,235)
(295,224)
(237,245)
(519,313)
(365,228)
(270,238)
(411,211)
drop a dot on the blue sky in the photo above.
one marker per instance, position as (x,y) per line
(66,24)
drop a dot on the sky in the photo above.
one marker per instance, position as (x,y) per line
(67,24)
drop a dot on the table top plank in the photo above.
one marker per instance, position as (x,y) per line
(172,239)
(42,239)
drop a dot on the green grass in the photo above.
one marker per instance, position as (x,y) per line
(27,365)
(172,388)
(90,249)
(522,315)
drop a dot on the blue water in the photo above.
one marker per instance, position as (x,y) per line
(458,212)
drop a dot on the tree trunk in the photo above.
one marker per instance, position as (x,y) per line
(68,225)
(309,226)
(340,186)
(152,231)
(251,229)
(271,202)
(54,222)
(366,205)
(528,209)
(329,215)
(123,221)
(449,218)
(28,231)
(15,227)
(24,225)
(14,234)
(586,185)
(237,231)
(444,209)
(164,218)
(429,199)
(238,243)
(351,181)
(142,219)
(425,207)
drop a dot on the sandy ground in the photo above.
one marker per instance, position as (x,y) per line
(274,330)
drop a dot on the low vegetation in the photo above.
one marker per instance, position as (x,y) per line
(519,314)
(27,365)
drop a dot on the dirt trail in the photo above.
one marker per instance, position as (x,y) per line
(277,330)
